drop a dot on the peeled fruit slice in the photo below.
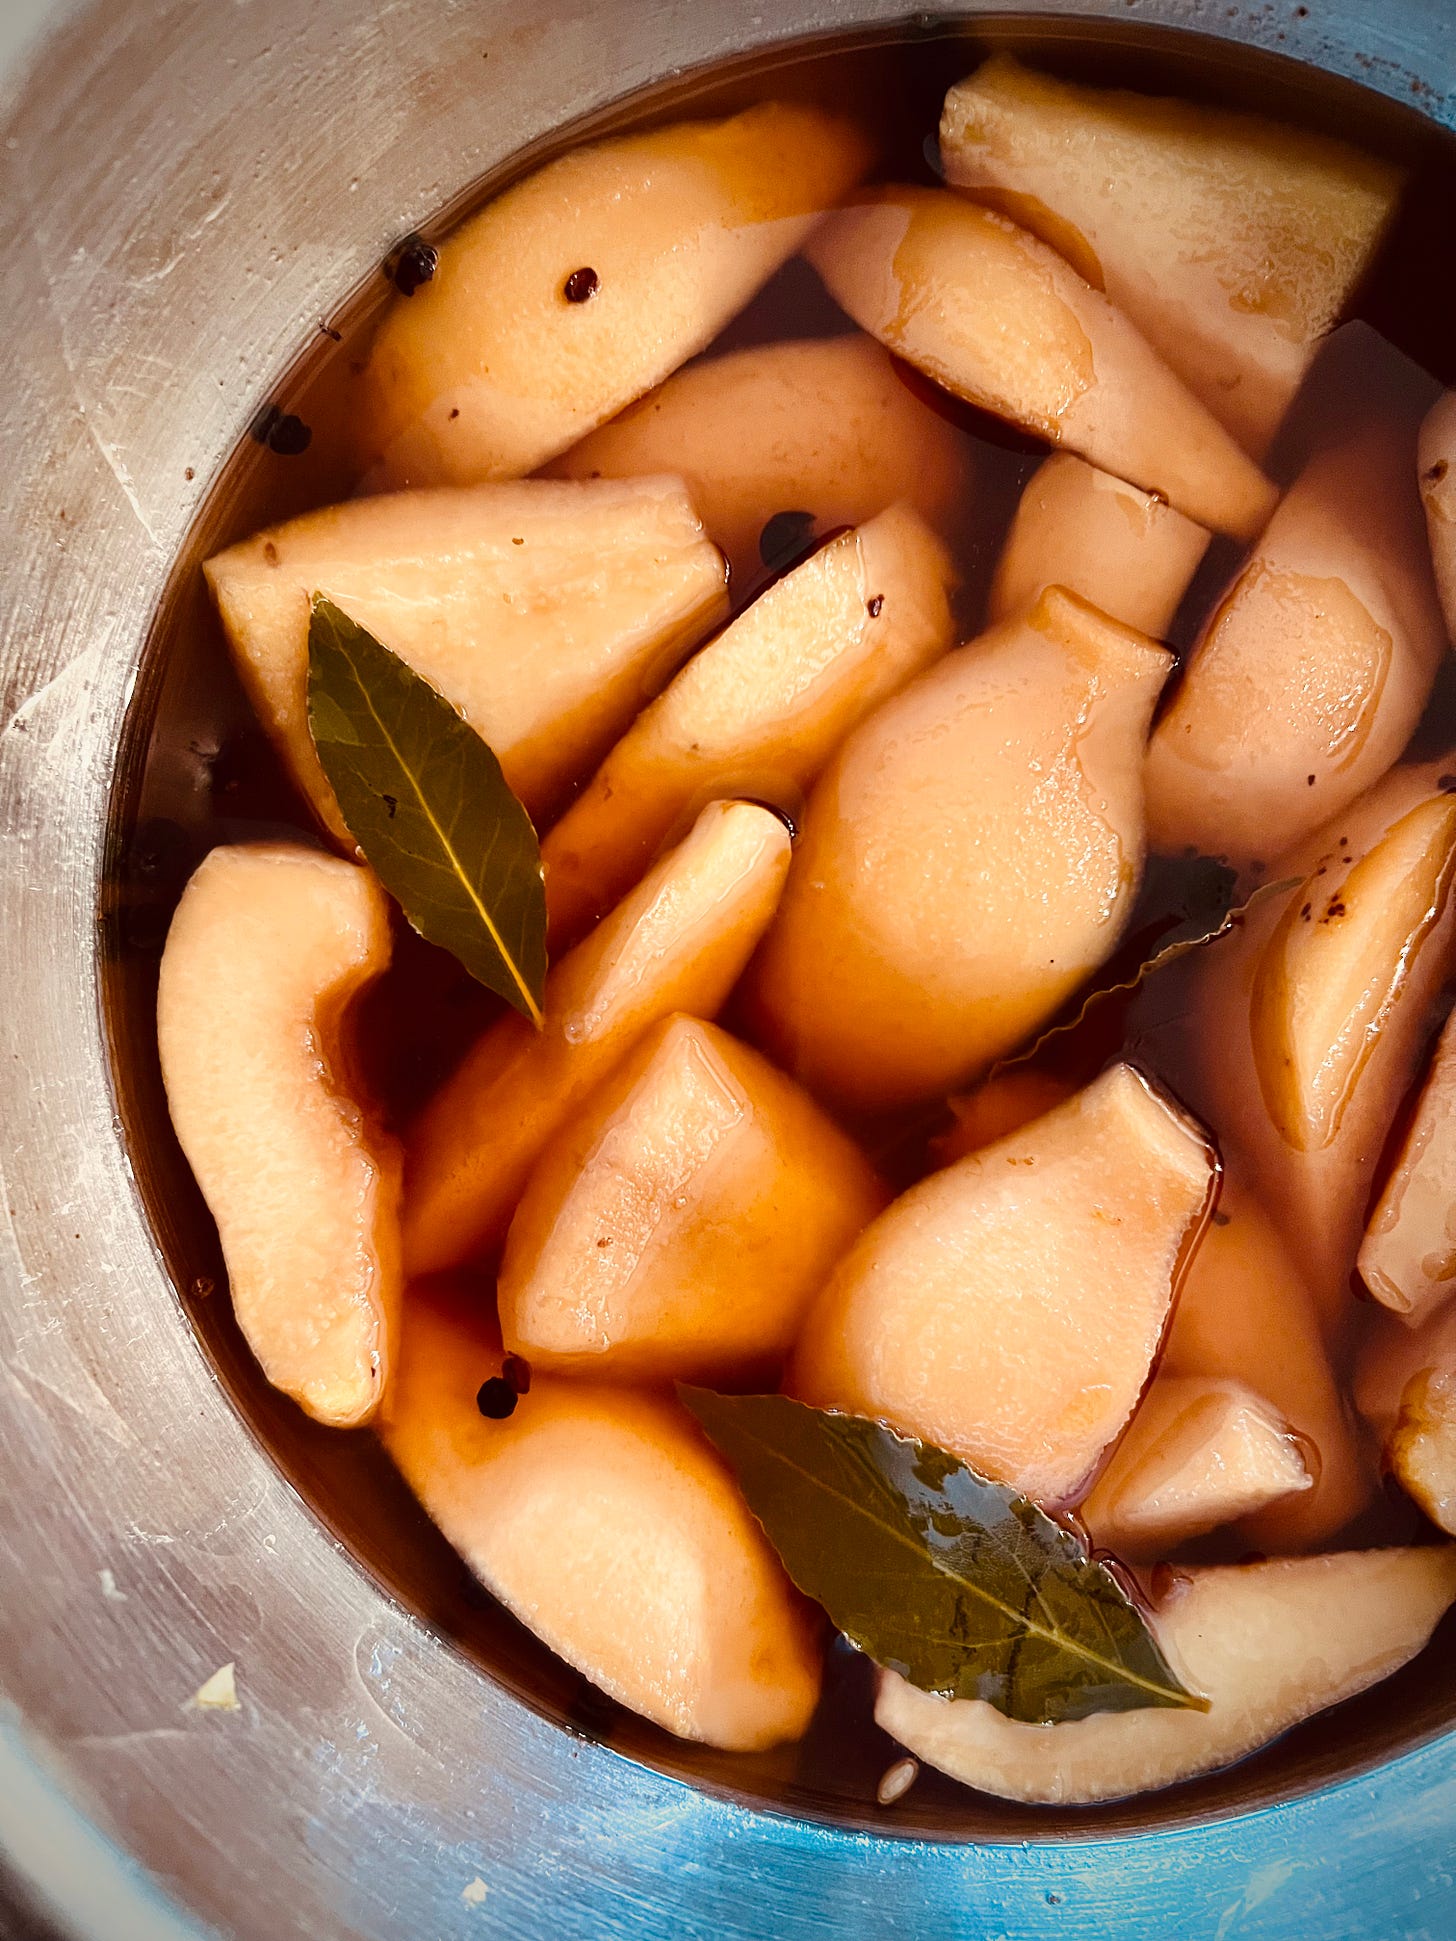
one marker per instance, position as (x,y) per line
(1245,1316)
(1008,1308)
(993,315)
(682,1223)
(1436,459)
(969,856)
(1231,242)
(826,429)
(1408,1259)
(679,942)
(1269,1644)
(1198,1454)
(591,281)
(1309,1032)
(760,709)
(269,944)
(604,1521)
(547,613)
(1317,664)
(1406,1386)
(1336,967)
(1121,549)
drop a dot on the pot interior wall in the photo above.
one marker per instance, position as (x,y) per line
(195,769)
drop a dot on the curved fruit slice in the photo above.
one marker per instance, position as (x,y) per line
(1406,1387)
(1197,1455)
(270,943)
(1436,459)
(583,286)
(1008,1308)
(682,1223)
(1232,243)
(1408,1259)
(679,942)
(1269,1644)
(824,430)
(760,710)
(969,856)
(1309,1033)
(605,1522)
(992,314)
(1121,549)
(1244,1315)
(1336,966)
(1315,667)
(545,612)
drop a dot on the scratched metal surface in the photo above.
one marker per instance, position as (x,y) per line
(181,182)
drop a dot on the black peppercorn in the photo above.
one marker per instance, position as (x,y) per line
(783,538)
(414,265)
(496,1399)
(581,286)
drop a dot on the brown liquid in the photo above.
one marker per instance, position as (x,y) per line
(195,769)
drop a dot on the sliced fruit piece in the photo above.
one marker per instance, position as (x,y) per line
(992,314)
(681,1224)
(760,710)
(1336,967)
(1268,1643)
(1317,664)
(1302,1091)
(1001,1105)
(969,856)
(1245,1315)
(1436,460)
(270,943)
(1408,1258)
(1231,242)
(1121,549)
(546,612)
(1406,1386)
(588,283)
(1197,1455)
(607,1524)
(1008,1308)
(826,430)
(679,942)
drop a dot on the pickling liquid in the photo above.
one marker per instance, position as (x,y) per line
(196,770)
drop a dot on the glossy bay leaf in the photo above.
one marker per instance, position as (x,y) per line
(424,797)
(959,1584)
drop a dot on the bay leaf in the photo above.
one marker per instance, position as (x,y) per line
(959,1584)
(424,797)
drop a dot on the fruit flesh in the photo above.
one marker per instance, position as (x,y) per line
(492,369)
(1263,1042)
(1197,1455)
(1405,1383)
(268,947)
(1436,462)
(544,612)
(967,859)
(603,1520)
(1008,1309)
(994,316)
(1268,1644)
(1118,548)
(679,942)
(826,427)
(1245,1315)
(1408,1256)
(759,710)
(679,1227)
(1316,664)
(1232,243)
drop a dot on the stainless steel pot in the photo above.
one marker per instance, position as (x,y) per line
(186,187)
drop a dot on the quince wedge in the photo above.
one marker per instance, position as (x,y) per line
(583,286)
(269,945)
